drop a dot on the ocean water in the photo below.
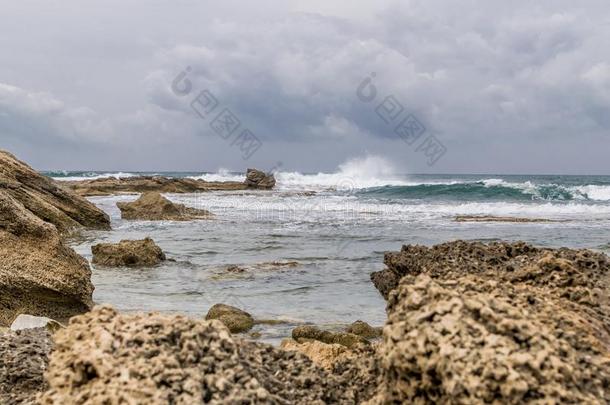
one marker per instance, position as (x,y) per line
(336,227)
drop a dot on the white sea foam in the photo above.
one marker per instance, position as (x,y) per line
(93,176)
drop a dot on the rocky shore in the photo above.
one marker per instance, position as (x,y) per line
(467,323)
(255,179)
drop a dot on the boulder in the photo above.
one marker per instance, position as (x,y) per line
(107,357)
(259,179)
(308,332)
(323,354)
(153,206)
(39,274)
(363,329)
(128,253)
(235,319)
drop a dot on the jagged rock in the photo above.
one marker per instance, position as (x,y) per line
(235,319)
(39,274)
(259,179)
(153,206)
(474,340)
(106,357)
(146,184)
(25,321)
(308,332)
(130,253)
(23,360)
(363,329)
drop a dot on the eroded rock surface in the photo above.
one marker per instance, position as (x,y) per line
(308,332)
(129,253)
(363,329)
(106,357)
(23,360)
(153,206)
(39,274)
(235,319)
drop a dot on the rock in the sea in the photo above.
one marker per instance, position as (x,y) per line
(106,357)
(259,179)
(23,360)
(129,253)
(153,206)
(39,274)
(363,329)
(308,332)
(472,340)
(25,321)
(235,319)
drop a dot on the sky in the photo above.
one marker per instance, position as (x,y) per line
(476,86)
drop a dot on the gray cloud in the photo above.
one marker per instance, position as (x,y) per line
(491,80)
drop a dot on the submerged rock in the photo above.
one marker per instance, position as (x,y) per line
(259,179)
(106,357)
(307,332)
(153,206)
(235,319)
(23,360)
(130,253)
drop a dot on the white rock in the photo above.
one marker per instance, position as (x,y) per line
(25,321)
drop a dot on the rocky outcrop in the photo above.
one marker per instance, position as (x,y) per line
(308,332)
(154,207)
(23,360)
(128,253)
(259,179)
(323,354)
(363,329)
(145,184)
(504,322)
(106,357)
(39,274)
(235,319)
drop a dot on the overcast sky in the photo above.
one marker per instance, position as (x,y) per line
(503,87)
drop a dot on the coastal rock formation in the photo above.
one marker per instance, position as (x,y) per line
(363,329)
(106,357)
(129,253)
(153,206)
(39,274)
(323,354)
(480,341)
(307,332)
(508,322)
(23,360)
(259,179)
(235,319)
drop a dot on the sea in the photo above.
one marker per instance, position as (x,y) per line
(309,245)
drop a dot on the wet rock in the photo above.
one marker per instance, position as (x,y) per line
(152,206)
(385,281)
(146,184)
(130,253)
(235,319)
(475,340)
(259,179)
(39,274)
(25,321)
(363,329)
(490,218)
(235,269)
(106,357)
(23,360)
(308,332)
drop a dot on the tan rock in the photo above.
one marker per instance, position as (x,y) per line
(308,332)
(152,206)
(129,253)
(259,179)
(363,329)
(39,274)
(235,319)
(323,354)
